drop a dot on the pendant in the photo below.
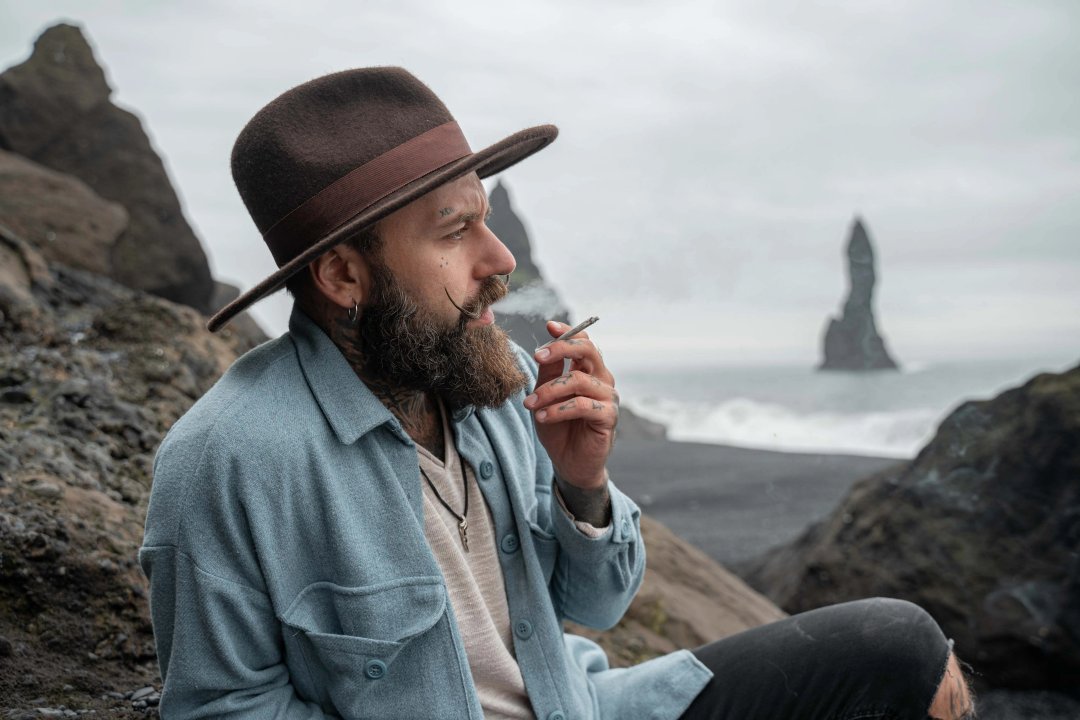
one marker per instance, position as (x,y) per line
(463,529)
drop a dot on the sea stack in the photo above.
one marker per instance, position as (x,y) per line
(852,342)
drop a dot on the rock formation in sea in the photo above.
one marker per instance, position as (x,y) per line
(55,110)
(982,529)
(92,375)
(852,341)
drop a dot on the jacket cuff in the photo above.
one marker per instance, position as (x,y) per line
(622,530)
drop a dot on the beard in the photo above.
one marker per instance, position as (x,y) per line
(408,347)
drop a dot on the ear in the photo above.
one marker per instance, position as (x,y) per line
(342,275)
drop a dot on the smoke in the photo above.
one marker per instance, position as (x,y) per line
(533,300)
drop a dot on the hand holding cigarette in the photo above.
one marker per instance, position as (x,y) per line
(571,332)
(576,411)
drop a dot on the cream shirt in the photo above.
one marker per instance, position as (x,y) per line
(474,582)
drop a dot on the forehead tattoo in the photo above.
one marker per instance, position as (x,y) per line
(445,211)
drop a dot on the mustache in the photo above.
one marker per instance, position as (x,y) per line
(492,290)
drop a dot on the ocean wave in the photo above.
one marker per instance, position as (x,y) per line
(755,424)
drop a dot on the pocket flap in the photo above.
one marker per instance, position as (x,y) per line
(390,612)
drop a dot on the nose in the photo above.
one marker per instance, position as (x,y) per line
(496,258)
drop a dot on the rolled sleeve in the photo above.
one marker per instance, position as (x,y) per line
(601,574)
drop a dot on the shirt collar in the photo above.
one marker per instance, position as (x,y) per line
(349,406)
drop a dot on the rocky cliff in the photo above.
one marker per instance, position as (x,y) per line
(982,529)
(55,110)
(852,341)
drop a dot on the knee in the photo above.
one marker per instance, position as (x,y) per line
(904,644)
(953,699)
(909,641)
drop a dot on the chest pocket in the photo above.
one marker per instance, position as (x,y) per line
(368,651)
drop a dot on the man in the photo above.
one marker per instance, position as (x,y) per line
(389,511)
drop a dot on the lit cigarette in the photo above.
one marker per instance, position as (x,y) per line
(571,332)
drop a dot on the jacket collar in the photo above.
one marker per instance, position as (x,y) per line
(349,406)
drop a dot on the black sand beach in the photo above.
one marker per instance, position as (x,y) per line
(733,502)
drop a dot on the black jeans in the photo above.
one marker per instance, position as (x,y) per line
(877,659)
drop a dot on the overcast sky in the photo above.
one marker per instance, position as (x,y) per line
(711,155)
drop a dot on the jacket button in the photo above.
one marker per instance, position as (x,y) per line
(523,629)
(626,528)
(486,470)
(375,669)
(556,715)
(509,543)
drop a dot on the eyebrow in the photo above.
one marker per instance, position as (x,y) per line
(463,218)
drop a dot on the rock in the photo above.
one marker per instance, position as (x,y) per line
(22,268)
(852,342)
(57,213)
(107,370)
(6,648)
(982,529)
(509,228)
(47,490)
(142,692)
(1016,705)
(56,111)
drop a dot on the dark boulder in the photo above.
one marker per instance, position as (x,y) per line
(982,529)
(852,341)
(55,110)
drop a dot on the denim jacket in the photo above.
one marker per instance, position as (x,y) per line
(290,576)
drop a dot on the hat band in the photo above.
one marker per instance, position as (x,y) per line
(362,187)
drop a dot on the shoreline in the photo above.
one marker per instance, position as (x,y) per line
(732,502)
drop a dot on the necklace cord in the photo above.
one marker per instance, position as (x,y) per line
(439,497)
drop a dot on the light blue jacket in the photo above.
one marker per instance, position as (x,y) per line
(290,576)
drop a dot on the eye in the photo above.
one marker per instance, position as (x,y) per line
(458,234)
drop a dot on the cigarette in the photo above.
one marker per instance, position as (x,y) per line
(571,332)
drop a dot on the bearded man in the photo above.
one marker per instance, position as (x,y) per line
(389,511)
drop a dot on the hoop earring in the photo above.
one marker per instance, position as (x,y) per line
(353,312)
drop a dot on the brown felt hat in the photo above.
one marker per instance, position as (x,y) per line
(337,154)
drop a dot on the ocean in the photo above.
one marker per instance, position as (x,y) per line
(888,414)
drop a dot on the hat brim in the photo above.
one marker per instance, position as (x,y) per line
(492,159)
